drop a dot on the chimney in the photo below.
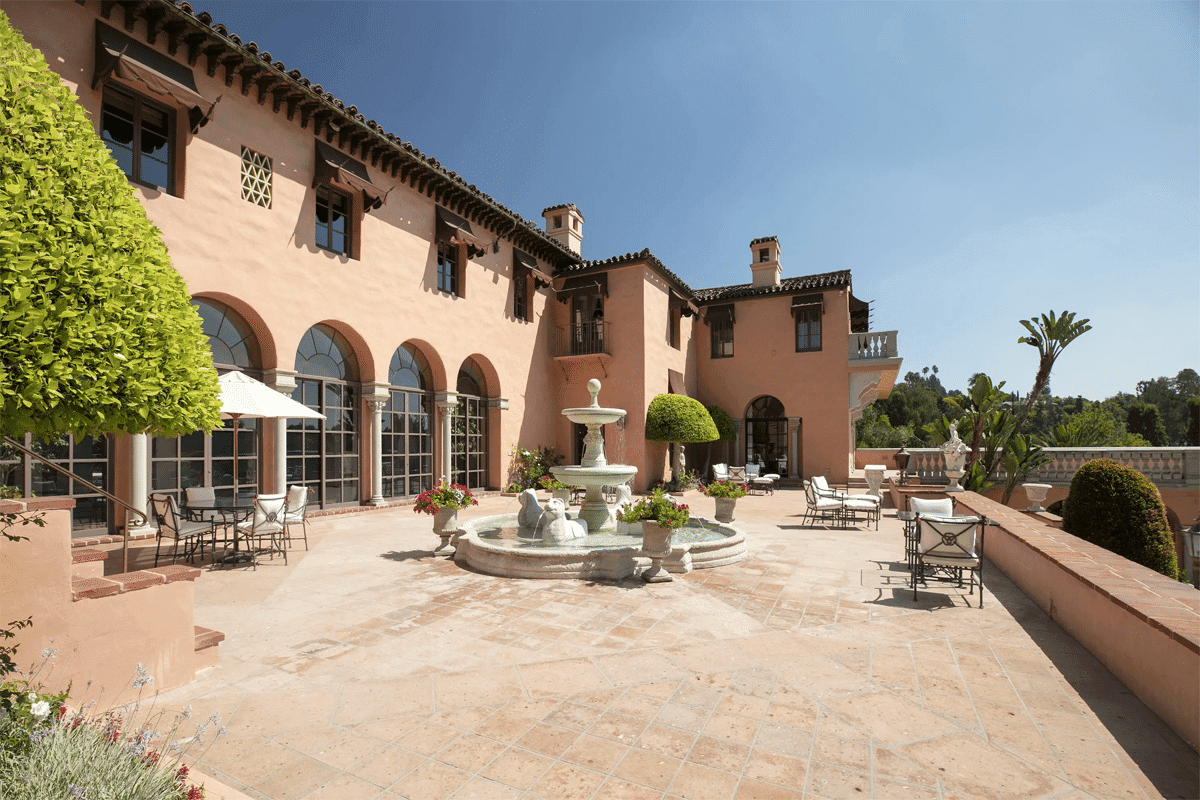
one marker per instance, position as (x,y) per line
(564,224)
(765,261)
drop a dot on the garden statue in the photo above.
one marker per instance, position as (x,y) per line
(531,511)
(624,497)
(555,526)
(955,451)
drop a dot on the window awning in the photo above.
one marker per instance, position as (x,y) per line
(807,302)
(455,230)
(686,307)
(525,263)
(722,313)
(334,166)
(584,284)
(122,57)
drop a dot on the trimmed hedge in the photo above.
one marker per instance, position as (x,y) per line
(1119,509)
(97,330)
(676,418)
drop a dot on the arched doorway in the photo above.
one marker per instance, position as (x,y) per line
(196,459)
(323,454)
(407,435)
(767,434)
(468,431)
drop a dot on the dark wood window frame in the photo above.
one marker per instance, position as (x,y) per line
(808,329)
(722,338)
(448,268)
(141,105)
(326,195)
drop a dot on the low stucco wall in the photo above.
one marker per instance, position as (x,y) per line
(1141,625)
(99,640)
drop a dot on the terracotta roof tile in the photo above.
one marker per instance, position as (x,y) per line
(825,280)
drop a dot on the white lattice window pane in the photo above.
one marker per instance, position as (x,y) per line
(256,178)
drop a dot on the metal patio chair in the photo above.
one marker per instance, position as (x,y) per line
(947,547)
(188,534)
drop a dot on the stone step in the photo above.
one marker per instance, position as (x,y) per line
(207,648)
(87,562)
(90,588)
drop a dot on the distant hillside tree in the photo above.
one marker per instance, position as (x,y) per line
(1145,420)
(97,331)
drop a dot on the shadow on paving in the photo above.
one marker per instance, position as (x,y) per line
(1143,734)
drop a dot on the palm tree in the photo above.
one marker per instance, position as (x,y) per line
(1050,335)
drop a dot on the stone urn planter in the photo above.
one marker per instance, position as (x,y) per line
(1036,492)
(656,543)
(445,525)
(725,506)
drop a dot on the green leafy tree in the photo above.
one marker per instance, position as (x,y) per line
(989,426)
(875,430)
(1193,428)
(1050,335)
(1094,426)
(97,331)
(676,418)
(1145,420)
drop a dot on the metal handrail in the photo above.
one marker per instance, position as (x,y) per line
(145,520)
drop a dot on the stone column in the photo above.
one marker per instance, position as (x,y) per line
(284,382)
(139,481)
(495,469)
(376,395)
(446,403)
(738,456)
(794,447)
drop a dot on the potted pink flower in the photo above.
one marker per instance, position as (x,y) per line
(725,494)
(443,502)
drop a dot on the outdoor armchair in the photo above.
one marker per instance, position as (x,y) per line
(826,509)
(188,534)
(737,475)
(200,495)
(720,472)
(297,512)
(867,505)
(946,548)
(264,532)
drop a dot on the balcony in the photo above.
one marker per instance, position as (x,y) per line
(583,347)
(872,346)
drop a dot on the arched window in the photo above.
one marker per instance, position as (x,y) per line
(197,459)
(323,454)
(468,440)
(766,435)
(407,436)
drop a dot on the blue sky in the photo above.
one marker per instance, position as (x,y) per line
(973,164)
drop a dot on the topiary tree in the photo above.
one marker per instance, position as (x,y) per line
(675,418)
(726,431)
(1119,509)
(97,331)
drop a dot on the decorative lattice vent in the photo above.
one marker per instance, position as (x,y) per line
(256,178)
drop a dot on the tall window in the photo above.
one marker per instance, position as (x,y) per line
(468,440)
(333,220)
(407,436)
(196,459)
(323,454)
(766,435)
(722,337)
(138,134)
(808,329)
(521,296)
(447,266)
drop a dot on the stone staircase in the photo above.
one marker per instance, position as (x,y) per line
(88,582)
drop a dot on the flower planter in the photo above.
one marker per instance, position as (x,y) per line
(445,525)
(656,543)
(725,506)
(1036,492)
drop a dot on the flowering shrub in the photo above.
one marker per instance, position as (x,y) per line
(724,489)
(526,467)
(551,483)
(46,751)
(444,496)
(656,507)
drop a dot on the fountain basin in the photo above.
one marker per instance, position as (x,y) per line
(497,546)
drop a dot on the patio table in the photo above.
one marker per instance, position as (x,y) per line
(232,510)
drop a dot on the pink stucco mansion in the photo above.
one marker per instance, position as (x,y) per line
(434,327)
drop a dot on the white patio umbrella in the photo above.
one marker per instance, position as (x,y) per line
(242,396)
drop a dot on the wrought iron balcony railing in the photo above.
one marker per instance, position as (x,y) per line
(584,338)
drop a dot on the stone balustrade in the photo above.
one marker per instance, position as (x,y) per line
(872,345)
(1165,466)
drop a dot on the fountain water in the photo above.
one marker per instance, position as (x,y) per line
(595,472)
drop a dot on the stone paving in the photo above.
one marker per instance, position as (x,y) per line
(366,668)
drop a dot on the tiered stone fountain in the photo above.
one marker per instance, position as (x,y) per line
(499,545)
(595,472)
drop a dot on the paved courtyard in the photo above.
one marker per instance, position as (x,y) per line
(366,668)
